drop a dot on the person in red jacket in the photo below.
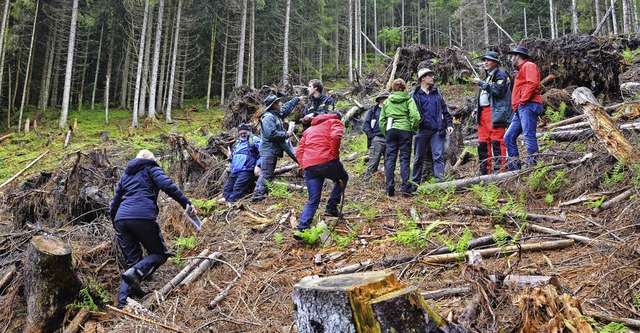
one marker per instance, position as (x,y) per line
(527,105)
(319,156)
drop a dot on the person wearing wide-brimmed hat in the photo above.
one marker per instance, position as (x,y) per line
(435,123)
(133,211)
(493,114)
(527,105)
(375,138)
(273,140)
(245,165)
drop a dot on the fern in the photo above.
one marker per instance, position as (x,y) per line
(596,203)
(463,243)
(182,244)
(558,181)
(87,301)
(522,228)
(556,116)
(616,175)
(311,235)
(500,237)
(537,176)
(277,237)
(488,195)
(278,190)
(204,206)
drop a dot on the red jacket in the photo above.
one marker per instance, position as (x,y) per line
(526,87)
(320,143)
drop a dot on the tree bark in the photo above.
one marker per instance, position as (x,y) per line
(174,58)
(26,78)
(49,283)
(212,44)
(3,28)
(95,77)
(285,48)
(242,37)
(605,127)
(156,62)
(141,51)
(66,94)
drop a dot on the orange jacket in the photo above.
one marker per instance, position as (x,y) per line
(526,87)
(320,143)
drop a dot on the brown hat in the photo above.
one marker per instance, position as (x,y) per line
(382,94)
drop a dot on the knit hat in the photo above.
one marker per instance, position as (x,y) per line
(244,127)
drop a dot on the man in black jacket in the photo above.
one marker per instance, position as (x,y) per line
(376,139)
(318,104)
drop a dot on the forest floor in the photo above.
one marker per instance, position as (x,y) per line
(261,261)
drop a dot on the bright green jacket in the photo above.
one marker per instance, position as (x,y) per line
(402,108)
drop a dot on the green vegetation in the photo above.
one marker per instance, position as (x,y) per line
(627,54)
(343,241)
(596,203)
(488,195)
(181,244)
(616,175)
(203,206)
(548,198)
(369,212)
(311,235)
(413,236)
(438,199)
(555,116)
(278,190)
(87,296)
(277,237)
(557,182)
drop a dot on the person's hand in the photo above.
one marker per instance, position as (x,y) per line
(193,211)
(474,114)
(257,170)
(303,99)
(289,134)
(449,130)
(308,118)
(475,80)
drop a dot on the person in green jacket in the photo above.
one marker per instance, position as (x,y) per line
(398,121)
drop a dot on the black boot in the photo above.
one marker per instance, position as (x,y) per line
(496,161)
(483,156)
(132,278)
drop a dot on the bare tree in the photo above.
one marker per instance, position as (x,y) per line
(26,81)
(211,54)
(136,95)
(613,17)
(351,40)
(552,21)
(107,84)
(174,58)
(252,46)
(285,48)
(574,16)
(66,94)
(95,77)
(243,33)
(5,14)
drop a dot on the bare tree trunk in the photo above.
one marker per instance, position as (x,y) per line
(223,79)
(107,83)
(174,58)
(95,77)
(26,77)
(574,16)
(598,13)
(66,94)
(124,85)
(243,32)
(211,54)
(156,62)
(285,56)
(84,73)
(613,17)
(375,28)
(46,77)
(252,46)
(136,94)
(142,109)
(626,19)
(485,23)
(162,84)
(183,80)
(552,23)
(5,14)
(350,41)
(526,34)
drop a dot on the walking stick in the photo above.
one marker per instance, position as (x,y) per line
(343,186)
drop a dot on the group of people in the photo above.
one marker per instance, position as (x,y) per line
(504,111)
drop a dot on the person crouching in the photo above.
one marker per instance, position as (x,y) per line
(319,156)
(245,163)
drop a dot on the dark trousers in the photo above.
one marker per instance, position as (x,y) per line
(314,176)
(268,166)
(130,234)
(398,142)
(237,185)
(432,142)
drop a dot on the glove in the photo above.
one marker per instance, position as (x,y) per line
(257,170)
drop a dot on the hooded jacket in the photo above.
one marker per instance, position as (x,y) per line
(320,143)
(401,108)
(273,136)
(137,191)
(246,154)
(434,114)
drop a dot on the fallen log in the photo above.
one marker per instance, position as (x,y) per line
(529,217)
(75,325)
(6,136)
(449,257)
(577,238)
(573,126)
(583,198)
(394,67)
(440,293)
(567,121)
(624,110)
(632,323)
(473,243)
(204,265)
(350,114)
(290,186)
(23,170)
(617,199)
(49,282)
(352,268)
(7,278)
(285,169)
(605,127)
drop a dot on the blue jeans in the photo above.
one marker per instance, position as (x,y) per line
(524,121)
(423,140)
(237,185)
(398,141)
(130,234)
(314,176)
(268,166)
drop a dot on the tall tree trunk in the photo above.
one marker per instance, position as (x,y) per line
(162,84)
(350,41)
(183,79)
(375,29)
(524,15)
(613,17)
(552,23)
(124,86)
(626,19)
(107,83)
(26,77)
(485,23)
(44,82)
(174,58)
(95,77)
(574,16)
(223,78)
(145,69)
(3,29)
(402,26)
(211,54)
(336,59)
(252,46)
(66,94)
(84,72)
(285,56)
(136,94)
(596,4)
(156,62)
(243,32)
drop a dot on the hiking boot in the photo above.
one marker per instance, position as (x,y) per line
(333,211)
(258,198)
(407,194)
(391,192)
(132,278)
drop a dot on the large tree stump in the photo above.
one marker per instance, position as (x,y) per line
(361,302)
(49,283)
(605,127)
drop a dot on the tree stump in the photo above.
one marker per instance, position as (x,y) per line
(605,127)
(361,302)
(49,283)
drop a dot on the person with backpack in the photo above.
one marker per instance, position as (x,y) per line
(245,165)
(435,123)
(274,140)
(319,156)
(134,210)
(398,122)
(527,106)
(493,115)
(318,103)
(371,128)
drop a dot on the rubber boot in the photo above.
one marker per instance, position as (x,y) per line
(483,156)
(497,156)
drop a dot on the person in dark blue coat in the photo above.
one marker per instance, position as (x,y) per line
(134,210)
(377,142)
(245,165)
(318,104)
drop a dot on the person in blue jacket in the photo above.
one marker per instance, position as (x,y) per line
(274,140)
(134,210)
(245,163)
(371,127)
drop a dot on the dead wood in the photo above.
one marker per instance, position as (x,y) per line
(66,140)
(353,268)
(577,238)
(567,121)
(285,169)
(583,198)
(542,246)
(605,127)
(544,310)
(384,55)
(615,200)
(394,68)
(574,126)
(202,267)
(632,323)
(226,290)
(527,216)
(351,113)
(435,294)
(624,110)
(6,136)
(128,314)
(23,170)
(7,278)
(75,325)
(473,243)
